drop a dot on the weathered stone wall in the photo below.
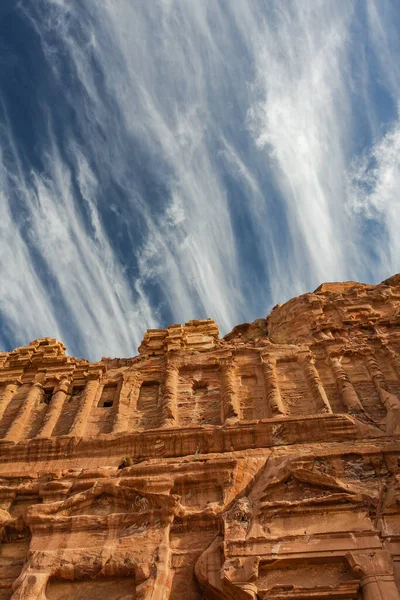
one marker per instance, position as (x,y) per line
(261,465)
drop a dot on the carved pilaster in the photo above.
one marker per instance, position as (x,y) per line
(229,384)
(393,355)
(170,395)
(390,401)
(345,386)
(274,397)
(240,576)
(374,371)
(380,383)
(127,402)
(375,570)
(30,584)
(79,425)
(8,395)
(162,582)
(15,431)
(316,384)
(55,408)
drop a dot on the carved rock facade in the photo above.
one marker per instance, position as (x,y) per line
(261,465)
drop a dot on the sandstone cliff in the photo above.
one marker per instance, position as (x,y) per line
(260,465)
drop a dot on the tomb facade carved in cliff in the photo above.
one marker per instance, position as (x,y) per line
(264,464)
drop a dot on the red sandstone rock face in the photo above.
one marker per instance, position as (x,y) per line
(261,465)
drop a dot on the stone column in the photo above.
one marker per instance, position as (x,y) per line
(374,371)
(316,383)
(392,353)
(229,384)
(127,401)
(30,585)
(55,408)
(85,407)
(170,395)
(274,397)
(15,431)
(346,388)
(375,570)
(389,400)
(8,394)
(163,579)
(240,575)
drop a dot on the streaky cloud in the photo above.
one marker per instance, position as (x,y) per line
(196,159)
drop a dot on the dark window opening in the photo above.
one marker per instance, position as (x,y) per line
(77,389)
(149,384)
(107,397)
(47,395)
(76,392)
(200,386)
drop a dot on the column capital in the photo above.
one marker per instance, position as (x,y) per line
(13,381)
(374,563)
(37,384)
(92,375)
(172,365)
(268,359)
(227,361)
(305,357)
(63,385)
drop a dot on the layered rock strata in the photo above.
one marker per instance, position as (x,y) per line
(261,465)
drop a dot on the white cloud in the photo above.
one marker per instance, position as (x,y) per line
(25,309)
(302,119)
(374,185)
(374,177)
(242,115)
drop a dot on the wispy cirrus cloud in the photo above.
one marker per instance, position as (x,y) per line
(374,183)
(195,159)
(374,176)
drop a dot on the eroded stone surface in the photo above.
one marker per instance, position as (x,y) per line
(261,465)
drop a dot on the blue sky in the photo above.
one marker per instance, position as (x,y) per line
(176,159)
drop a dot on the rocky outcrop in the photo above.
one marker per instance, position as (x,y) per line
(260,465)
